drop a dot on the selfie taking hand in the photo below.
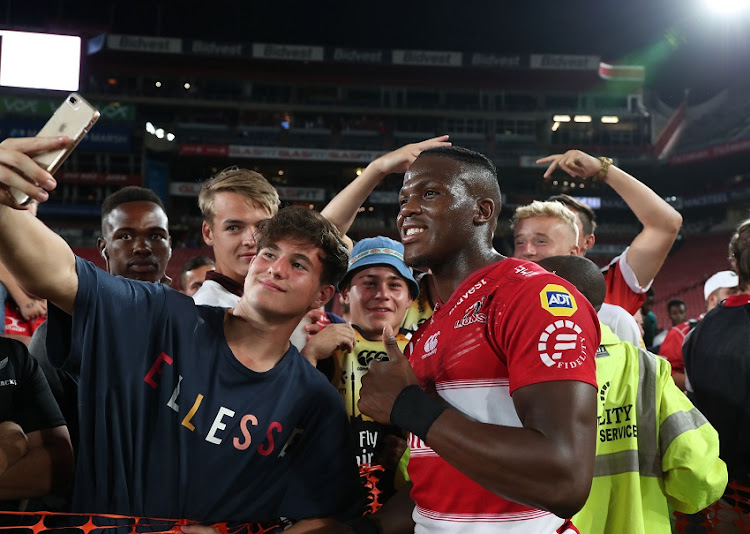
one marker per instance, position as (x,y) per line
(19,171)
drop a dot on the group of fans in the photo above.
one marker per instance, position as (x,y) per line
(480,393)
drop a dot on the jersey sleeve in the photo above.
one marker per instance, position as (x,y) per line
(671,350)
(547,331)
(36,408)
(622,285)
(694,475)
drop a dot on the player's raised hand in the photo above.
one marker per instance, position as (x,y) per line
(19,171)
(385,380)
(401,159)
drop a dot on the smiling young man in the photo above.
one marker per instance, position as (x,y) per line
(191,411)
(500,396)
(378,287)
(543,230)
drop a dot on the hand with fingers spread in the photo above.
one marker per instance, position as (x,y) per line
(385,380)
(401,159)
(20,171)
(324,343)
(574,162)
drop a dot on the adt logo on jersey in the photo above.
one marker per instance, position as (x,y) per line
(558,301)
(430,346)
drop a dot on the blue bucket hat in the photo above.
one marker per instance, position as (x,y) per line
(380,250)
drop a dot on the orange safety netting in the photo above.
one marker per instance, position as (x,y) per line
(62,523)
(730,515)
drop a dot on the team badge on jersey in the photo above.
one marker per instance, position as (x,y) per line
(558,301)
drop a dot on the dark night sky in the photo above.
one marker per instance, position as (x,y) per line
(703,51)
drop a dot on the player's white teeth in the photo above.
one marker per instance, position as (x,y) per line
(412,231)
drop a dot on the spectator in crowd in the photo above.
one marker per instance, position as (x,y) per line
(36,457)
(545,229)
(233,203)
(639,405)
(630,274)
(176,390)
(717,288)
(194,273)
(524,461)
(650,323)
(718,373)
(378,287)
(135,240)
(677,311)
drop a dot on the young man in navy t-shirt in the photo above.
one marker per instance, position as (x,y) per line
(188,411)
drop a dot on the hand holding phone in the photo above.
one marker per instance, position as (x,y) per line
(74,118)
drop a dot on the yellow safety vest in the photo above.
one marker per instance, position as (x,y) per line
(654,448)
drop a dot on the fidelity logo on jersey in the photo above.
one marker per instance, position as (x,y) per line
(558,301)
(430,345)
(472,315)
(560,345)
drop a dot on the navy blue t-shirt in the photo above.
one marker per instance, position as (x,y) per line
(172,425)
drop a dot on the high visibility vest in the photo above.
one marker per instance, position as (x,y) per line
(653,449)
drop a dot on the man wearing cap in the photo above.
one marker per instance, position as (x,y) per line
(717,288)
(378,287)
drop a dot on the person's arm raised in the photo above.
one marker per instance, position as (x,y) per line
(661,222)
(547,463)
(41,261)
(342,209)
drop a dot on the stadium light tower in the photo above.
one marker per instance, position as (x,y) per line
(727,7)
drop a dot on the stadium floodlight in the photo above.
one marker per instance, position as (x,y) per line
(555,126)
(150,128)
(561,118)
(610,119)
(582,118)
(727,7)
(170,136)
(40,60)
(159,133)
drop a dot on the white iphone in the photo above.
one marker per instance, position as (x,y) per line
(74,118)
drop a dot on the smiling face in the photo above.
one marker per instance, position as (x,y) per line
(540,237)
(436,217)
(231,233)
(377,296)
(284,280)
(136,242)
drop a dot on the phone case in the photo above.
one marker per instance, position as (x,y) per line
(74,118)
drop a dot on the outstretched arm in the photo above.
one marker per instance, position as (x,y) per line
(40,260)
(342,209)
(547,463)
(661,222)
